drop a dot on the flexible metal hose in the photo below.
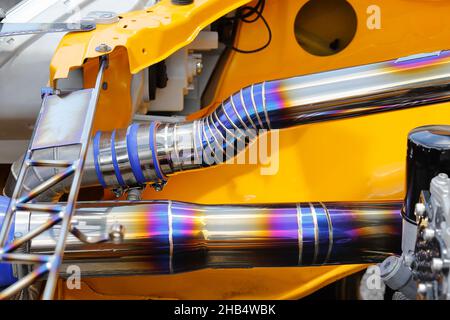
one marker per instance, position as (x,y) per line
(150,153)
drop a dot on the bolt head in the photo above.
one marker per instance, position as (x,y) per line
(419,210)
(437,264)
(199,67)
(429,234)
(422,288)
(103,48)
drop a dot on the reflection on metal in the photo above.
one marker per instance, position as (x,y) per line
(60,118)
(50,128)
(162,237)
(158,150)
(18,29)
(152,152)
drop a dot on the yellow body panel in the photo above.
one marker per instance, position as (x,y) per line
(354,159)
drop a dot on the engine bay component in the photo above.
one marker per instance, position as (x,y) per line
(422,270)
(152,152)
(77,135)
(163,237)
(12,29)
(431,262)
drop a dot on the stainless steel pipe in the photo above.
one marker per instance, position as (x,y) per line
(163,237)
(153,152)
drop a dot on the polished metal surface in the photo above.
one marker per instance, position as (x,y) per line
(60,119)
(121,150)
(170,237)
(18,29)
(49,123)
(167,148)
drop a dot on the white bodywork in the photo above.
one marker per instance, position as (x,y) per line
(25,60)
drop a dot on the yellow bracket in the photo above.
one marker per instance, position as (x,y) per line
(149,36)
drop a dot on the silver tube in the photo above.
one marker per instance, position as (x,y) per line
(168,237)
(151,153)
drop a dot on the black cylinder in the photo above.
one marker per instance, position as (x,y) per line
(428,155)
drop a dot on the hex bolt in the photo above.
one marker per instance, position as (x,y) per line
(103,48)
(134,194)
(429,234)
(420,210)
(422,288)
(198,67)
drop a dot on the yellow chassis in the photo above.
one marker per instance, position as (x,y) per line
(355,159)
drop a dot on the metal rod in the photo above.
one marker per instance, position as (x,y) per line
(30,235)
(47,184)
(24,282)
(53,208)
(25,258)
(50,286)
(50,163)
(9,215)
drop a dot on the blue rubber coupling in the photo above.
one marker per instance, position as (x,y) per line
(6,272)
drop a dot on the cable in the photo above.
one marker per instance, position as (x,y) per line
(244,15)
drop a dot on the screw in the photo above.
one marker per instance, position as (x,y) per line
(118,192)
(199,67)
(103,48)
(437,264)
(422,288)
(159,186)
(134,194)
(419,210)
(429,234)
(87,26)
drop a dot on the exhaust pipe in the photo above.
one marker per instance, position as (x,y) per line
(150,153)
(163,237)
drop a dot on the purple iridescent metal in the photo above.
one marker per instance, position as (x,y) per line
(164,149)
(393,85)
(169,237)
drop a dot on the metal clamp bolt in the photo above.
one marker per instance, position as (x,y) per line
(429,234)
(103,48)
(420,210)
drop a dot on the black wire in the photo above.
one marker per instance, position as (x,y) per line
(243,14)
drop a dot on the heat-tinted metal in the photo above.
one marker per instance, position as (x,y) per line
(393,85)
(168,237)
(164,149)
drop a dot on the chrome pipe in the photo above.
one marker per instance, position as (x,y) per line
(163,237)
(151,153)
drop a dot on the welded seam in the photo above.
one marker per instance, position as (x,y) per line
(330,233)
(246,111)
(252,95)
(300,234)
(264,104)
(170,221)
(316,233)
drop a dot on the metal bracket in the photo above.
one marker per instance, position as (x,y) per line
(21,199)
(18,29)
